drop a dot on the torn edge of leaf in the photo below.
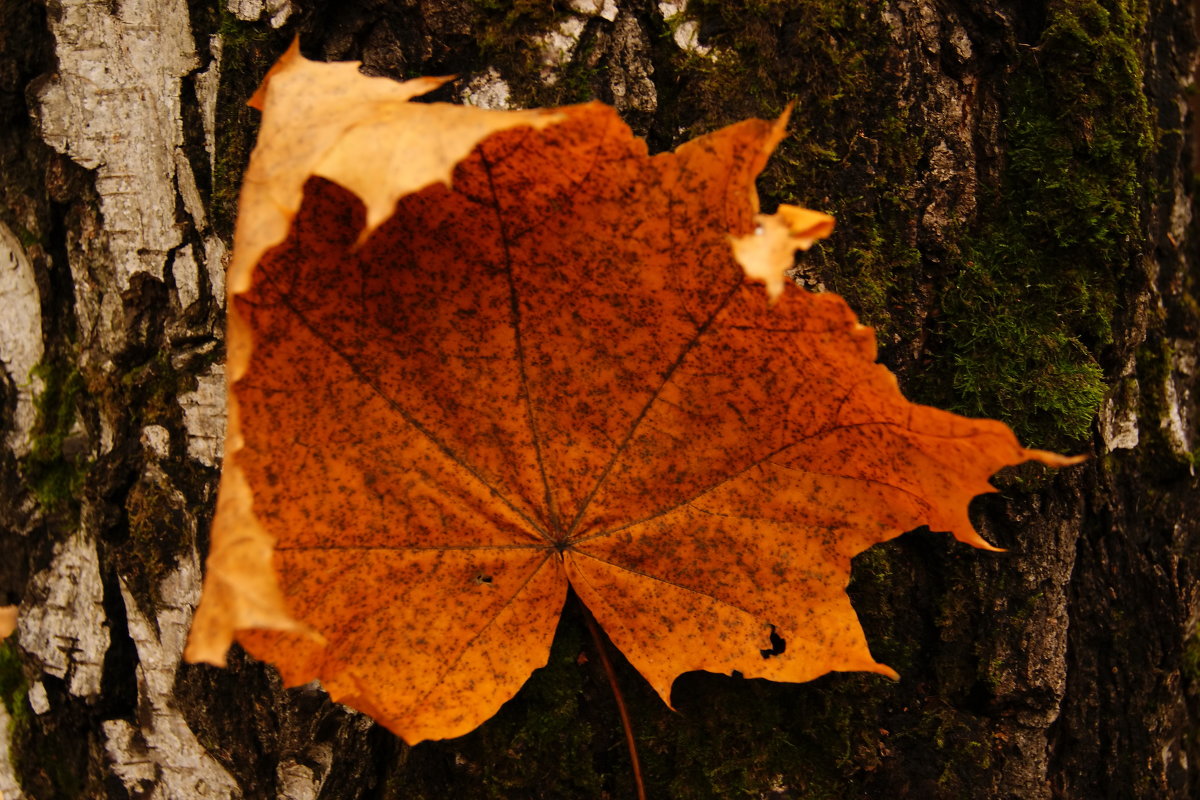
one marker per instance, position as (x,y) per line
(766,254)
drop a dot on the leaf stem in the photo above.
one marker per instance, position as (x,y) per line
(602,650)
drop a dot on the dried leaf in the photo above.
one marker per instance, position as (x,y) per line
(550,364)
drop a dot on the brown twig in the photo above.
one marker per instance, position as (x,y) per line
(594,629)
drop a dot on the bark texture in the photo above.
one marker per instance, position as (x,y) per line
(1014,187)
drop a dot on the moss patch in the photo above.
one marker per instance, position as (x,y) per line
(1028,313)
(50,757)
(14,689)
(14,693)
(1190,663)
(56,465)
(505,29)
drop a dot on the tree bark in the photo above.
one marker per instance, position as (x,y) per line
(1013,184)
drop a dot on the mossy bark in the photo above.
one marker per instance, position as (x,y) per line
(1013,183)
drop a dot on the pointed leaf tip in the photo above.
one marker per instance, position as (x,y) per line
(289,57)
(1053,459)
(887,672)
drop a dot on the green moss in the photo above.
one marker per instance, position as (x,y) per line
(53,469)
(14,688)
(14,692)
(993,673)
(1029,308)
(1026,606)
(150,389)
(509,39)
(504,28)
(1013,351)
(579,78)
(1190,663)
(26,237)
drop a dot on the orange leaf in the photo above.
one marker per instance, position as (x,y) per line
(480,356)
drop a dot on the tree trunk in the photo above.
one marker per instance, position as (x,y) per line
(1013,184)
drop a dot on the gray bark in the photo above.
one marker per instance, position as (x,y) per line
(1069,667)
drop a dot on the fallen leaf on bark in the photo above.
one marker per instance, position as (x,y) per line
(479,356)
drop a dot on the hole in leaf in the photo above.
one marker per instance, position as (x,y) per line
(778,645)
(483,579)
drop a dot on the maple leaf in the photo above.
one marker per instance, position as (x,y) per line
(477,357)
